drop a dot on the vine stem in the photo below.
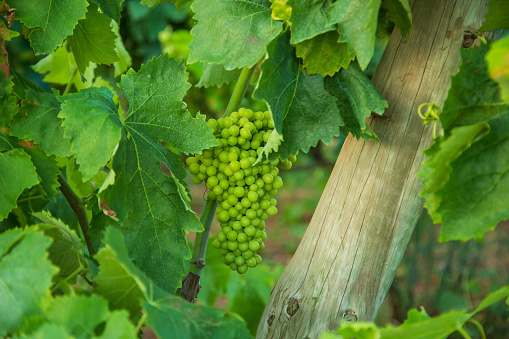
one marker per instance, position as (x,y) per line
(68,86)
(191,283)
(78,207)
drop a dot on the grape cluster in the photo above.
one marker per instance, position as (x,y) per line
(243,187)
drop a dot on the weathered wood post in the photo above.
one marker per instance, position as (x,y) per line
(348,257)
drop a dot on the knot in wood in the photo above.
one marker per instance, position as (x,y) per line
(293,306)
(349,316)
(468,39)
(271,320)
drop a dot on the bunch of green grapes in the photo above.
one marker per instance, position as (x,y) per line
(243,188)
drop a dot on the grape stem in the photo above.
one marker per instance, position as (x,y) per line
(78,206)
(191,283)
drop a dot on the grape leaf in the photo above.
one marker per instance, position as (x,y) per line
(356,99)
(47,170)
(119,281)
(153,3)
(50,21)
(8,102)
(16,174)
(159,112)
(60,65)
(357,21)
(65,251)
(359,330)
(323,54)
(112,8)
(22,85)
(175,317)
(216,75)
(436,169)
(474,200)
(152,207)
(497,16)
(118,327)
(91,122)
(93,40)
(215,277)
(249,305)
(294,96)
(309,18)
(471,99)
(25,277)
(38,121)
(400,13)
(217,33)
(498,65)
(468,194)
(80,315)
(48,331)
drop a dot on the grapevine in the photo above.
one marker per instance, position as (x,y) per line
(242,183)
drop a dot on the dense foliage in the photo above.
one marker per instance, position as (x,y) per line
(94,206)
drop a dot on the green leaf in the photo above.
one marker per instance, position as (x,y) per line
(91,123)
(60,68)
(217,75)
(434,328)
(249,305)
(281,10)
(436,169)
(492,298)
(323,54)
(473,95)
(118,327)
(497,16)
(38,121)
(16,174)
(293,96)
(498,65)
(50,21)
(119,281)
(65,251)
(153,208)
(22,85)
(47,170)
(467,193)
(80,315)
(357,21)
(400,13)
(356,99)
(217,38)
(153,3)
(359,330)
(309,18)
(112,8)
(158,110)
(215,277)
(93,40)
(25,278)
(177,318)
(474,200)
(8,102)
(48,331)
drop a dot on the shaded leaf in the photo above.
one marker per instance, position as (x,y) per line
(38,121)
(497,16)
(309,18)
(323,54)
(177,318)
(356,99)
(93,40)
(294,96)
(112,8)
(217,75)
(47,170)
(357,21)
(400,13)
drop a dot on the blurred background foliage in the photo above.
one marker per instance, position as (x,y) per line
(437,276)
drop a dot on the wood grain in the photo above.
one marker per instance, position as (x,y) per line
(355,241)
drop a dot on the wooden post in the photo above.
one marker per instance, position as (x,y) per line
(353,246)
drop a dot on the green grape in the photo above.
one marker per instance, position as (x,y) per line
(241,186)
